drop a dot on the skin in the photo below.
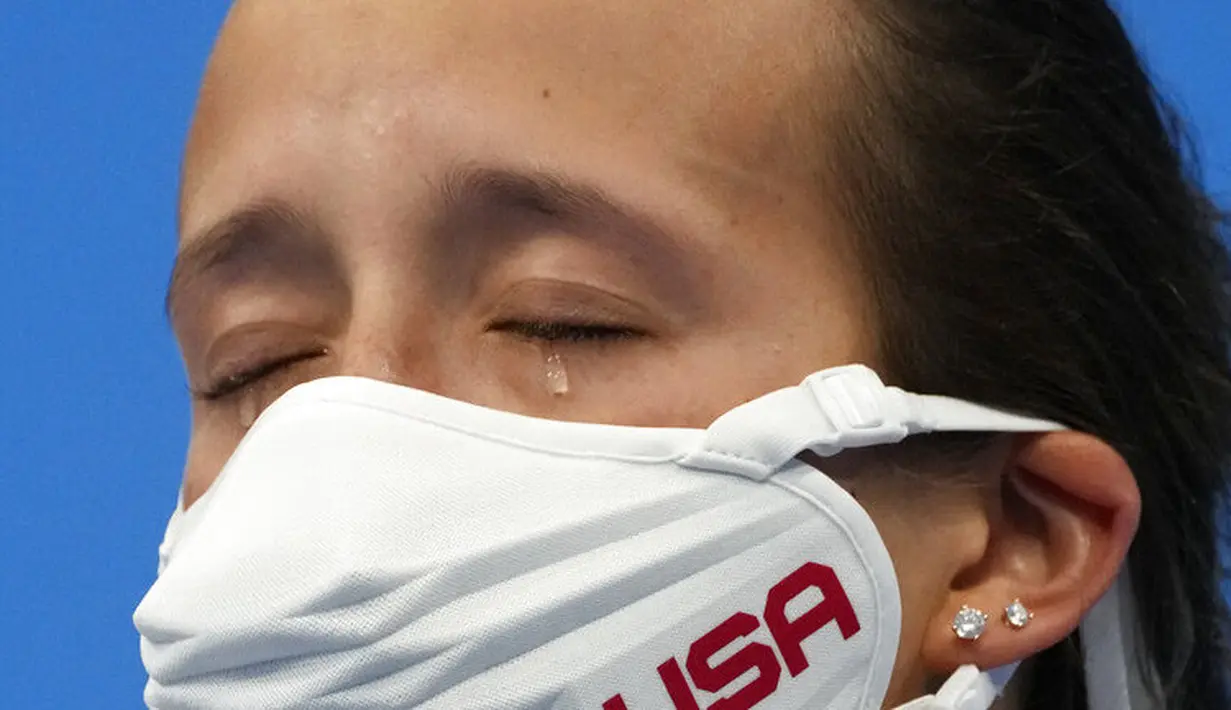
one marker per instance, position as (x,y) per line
(404,191)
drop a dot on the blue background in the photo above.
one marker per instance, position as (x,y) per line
(95,98)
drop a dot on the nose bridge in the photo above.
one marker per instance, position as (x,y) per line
(375,355)
(392,333)
(383,346)
(380,214)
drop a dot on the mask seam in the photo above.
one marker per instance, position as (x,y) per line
(720,454)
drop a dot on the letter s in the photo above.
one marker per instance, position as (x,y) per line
(754,655)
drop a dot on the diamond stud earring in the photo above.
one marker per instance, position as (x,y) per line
(969,623)
(1016,615)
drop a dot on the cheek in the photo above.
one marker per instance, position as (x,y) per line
(205,459)
(916,546)
(923,588)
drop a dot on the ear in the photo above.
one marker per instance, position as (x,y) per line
(1058,532)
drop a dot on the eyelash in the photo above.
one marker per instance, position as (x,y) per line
(245,378)
(566,332)
(550,332)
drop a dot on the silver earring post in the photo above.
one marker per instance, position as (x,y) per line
(969,623)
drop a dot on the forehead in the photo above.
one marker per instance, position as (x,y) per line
(717,83)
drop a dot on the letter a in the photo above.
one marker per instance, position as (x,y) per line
(790,635)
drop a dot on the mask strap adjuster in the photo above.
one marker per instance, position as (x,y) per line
(834,410)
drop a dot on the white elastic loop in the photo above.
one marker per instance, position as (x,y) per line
(933,413)
(1109,644)
(1103,648)
(1001,676)
(834,410)
(967,689)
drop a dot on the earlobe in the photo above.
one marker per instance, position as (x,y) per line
(1068,509)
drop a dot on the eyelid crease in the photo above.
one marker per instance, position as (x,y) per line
(545,299)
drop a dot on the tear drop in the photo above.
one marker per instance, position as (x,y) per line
(557,375)
(248,412)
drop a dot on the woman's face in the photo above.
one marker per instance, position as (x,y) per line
(445,194)
(482,199)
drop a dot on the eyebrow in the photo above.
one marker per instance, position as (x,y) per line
(467,189)
(242,237)
(252,233)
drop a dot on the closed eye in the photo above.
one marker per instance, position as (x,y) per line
(550,332)
(245,377)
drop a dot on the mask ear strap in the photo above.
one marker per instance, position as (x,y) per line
(1114,679)
(967,689)
(833,410)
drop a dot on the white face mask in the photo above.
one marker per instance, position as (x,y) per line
(374,546)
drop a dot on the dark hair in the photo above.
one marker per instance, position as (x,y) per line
(1035,242)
